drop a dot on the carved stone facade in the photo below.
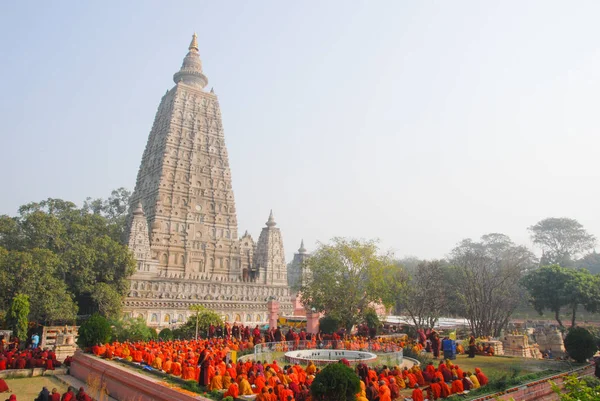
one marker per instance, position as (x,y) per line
(183,224)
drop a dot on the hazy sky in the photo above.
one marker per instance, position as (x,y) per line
(419,123)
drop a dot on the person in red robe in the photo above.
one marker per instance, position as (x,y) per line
(232,391)
(55,395)
(204,363)
(483,380)
(82,395)
(3,386)
(417,394)
(69,395)
(457,385)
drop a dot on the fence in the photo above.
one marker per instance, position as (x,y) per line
(389,352)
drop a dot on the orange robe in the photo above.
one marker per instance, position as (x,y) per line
(417,394)
(457,387)
(232,391)
(384,393)
(216,383)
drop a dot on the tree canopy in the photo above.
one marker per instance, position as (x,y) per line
(489,273)
(424,296)
(65,259)
(561,239)
(554,287)
(346,277)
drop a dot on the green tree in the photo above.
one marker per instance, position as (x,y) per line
(61,252)
(166,334)
(561,239)
(201,320)
(108,300)
(132,329)
(95,330)
(489,273)
(417,300)
(18,316)
(554,287)
(34,273)
(575,389)
(329,324)
(580,344)
(336,382)
(345,278)
(590,262)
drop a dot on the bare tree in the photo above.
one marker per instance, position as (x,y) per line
(489,273)
(423,298)
(561,239)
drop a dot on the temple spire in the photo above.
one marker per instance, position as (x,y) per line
(194,43)
(271,221)
(302,249)
(191,68)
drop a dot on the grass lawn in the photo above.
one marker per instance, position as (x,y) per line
(28,388)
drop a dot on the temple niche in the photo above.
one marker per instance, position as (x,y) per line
(183,224)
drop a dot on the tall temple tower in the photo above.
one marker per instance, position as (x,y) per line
(183,223)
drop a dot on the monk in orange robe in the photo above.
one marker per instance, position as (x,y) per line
(232,391)
(457,385)
(216,383)
(417,394)
(384,392)
(167,366)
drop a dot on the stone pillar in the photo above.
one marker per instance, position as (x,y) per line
(273,308)
(312,322)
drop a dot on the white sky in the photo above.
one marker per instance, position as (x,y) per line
(418,123)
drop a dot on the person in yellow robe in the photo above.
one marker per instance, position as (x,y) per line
(474,380)
(245,388)
(216,383)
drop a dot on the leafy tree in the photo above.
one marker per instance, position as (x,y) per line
(336,382)
(561,239)
(590,262)
(372,321)
(165,334)
(329,324)
(114,209)
(424,296)
(201,320)
(554,288)
(34,273)
(576,389)
(95,330)
(132,329)
(489,272)
(580,344)
(59,253)
(108,300)
(18,316)
(346,277)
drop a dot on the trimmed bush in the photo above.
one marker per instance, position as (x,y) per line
(580,344)
(336,382)
(329,324)
(95,330)
(166,334)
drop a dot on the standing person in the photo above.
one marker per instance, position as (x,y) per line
(435,344)
(203,363)
(35,340)
(472,346)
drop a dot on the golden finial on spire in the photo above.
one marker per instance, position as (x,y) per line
(194,43)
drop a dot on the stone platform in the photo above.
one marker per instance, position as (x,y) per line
(122,383)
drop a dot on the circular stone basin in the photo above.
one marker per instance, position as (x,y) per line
(326,356)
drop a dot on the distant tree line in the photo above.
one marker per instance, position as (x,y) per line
(482,281)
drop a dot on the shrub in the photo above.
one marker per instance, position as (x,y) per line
(95,330)
(580,344)
(336,382)
(329,324)
(18,316)
(166,334)
(228,398)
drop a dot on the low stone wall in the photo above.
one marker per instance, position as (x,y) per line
(539,390)
(18,373)
(123,383)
